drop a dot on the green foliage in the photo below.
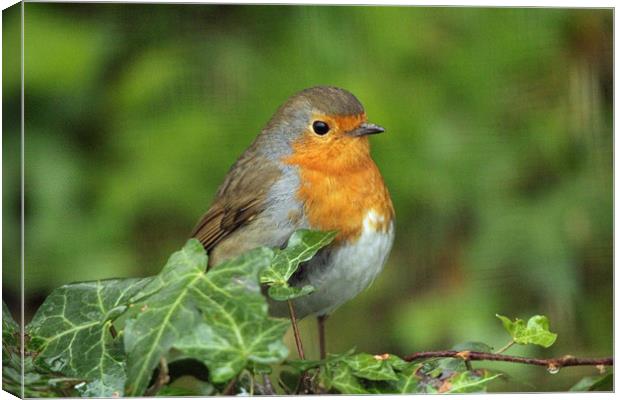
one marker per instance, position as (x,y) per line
(10,329)
(107,338)
(37,382)
(11,363)
(71,333)
(362,373)
(469,382)
(603,382)
(536,331)
(370,367)
(301,246)
(112,334)
(216,316)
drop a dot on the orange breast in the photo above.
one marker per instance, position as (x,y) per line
(340,185)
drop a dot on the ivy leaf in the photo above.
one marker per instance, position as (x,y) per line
(11,357)
(71,335)
(594,383)
(283,292)
(301,247)
(407,382)
(304,365)
(226,351)
(341,378)
(10,329)
(259,369)
(163,311)
(475,381)
(407,379)
(36,383)
(362,373)
(187,386)
(397,363)
(218,317)
(536,331)
(374,368)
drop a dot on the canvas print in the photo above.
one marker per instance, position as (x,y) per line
(213,200)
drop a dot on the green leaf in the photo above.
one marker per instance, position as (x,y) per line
(475,381)
(437,367)
(594,383)
(536,331)
(187,386)
(11,357)
(301,247)
(397,363)
(304,365)
(36,383)
(218,317)
(407,381)
(163,315)
(71,335)
(341,378)
(237,328)
(227,349)
(370,367)
(259,368)
(362,373)
(288,381)
(10,329)
(283,292)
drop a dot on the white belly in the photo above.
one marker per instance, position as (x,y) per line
(349,270)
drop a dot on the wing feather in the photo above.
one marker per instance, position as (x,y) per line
(241,197)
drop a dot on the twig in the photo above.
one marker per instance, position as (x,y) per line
(267,386)
(298,342)
(228,390)
(506,347)
(162,378)
(551,363)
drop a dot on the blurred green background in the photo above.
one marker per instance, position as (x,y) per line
(498,155)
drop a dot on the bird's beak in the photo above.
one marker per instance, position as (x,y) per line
(366,129)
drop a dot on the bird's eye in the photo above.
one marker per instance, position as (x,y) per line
(320,127)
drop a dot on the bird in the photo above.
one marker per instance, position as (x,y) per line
(310,167)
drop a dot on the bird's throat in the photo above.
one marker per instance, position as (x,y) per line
(340,187)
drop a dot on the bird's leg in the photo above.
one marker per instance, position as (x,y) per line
(304,381)
(298,342)
(321,324)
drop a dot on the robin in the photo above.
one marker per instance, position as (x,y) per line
(310,167)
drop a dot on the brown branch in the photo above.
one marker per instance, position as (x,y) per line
(551,363)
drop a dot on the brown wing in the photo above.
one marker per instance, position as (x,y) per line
(221,220)
(242,196)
